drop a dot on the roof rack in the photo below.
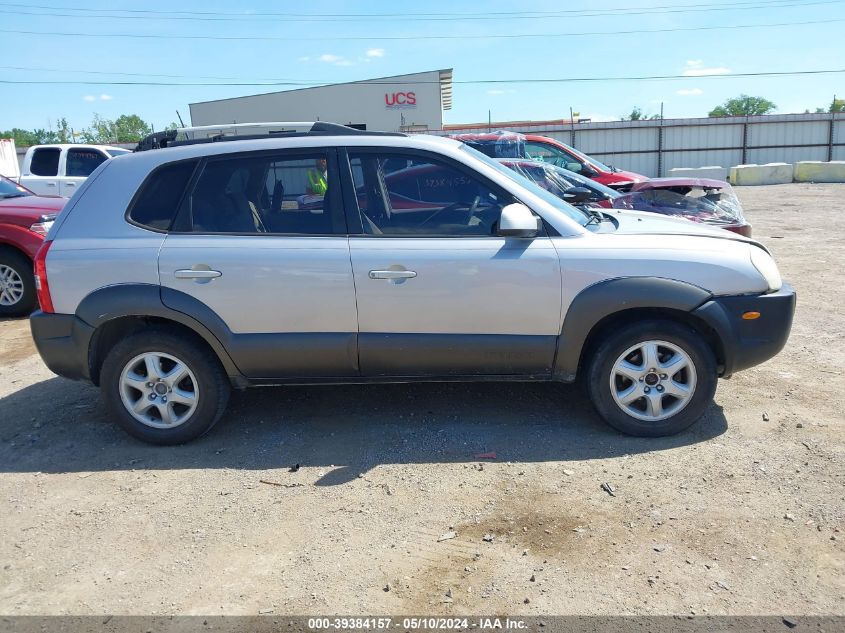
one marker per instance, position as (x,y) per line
(244,131)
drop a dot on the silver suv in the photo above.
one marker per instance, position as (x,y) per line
(330,255)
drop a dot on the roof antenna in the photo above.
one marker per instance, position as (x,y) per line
(181,122)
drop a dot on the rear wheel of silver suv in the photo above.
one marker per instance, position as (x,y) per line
(653,378)
(163,388)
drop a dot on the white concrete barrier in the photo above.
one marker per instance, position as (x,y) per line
(817,171)
(715,173)
(770,174)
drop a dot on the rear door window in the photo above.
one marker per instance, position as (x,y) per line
(265,193)
(45,161)
(81,162)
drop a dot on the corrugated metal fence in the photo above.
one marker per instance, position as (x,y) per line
(654,147)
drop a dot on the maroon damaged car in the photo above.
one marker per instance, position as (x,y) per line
(24,221)
(698,199)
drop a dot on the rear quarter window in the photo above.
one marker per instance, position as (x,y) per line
(158,199)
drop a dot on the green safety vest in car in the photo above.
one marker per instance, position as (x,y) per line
(317,182)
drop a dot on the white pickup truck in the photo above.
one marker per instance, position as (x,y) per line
(57,170)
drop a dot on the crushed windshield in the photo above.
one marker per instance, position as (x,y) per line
(573,213)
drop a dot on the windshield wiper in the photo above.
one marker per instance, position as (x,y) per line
(5,196)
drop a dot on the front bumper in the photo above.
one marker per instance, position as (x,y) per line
(63,341)
(746,343)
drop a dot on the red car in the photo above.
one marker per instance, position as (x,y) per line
(24,221)
(549,150)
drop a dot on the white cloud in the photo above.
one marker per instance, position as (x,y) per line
(105,97)
(690,92)
(337,60)
(696,68)
(375,52)
(89,98)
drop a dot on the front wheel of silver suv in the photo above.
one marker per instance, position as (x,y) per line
(653,378)
(164,388)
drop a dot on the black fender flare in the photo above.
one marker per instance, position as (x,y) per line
(605,298)
(145,300)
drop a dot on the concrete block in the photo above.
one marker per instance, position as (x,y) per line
(817,171)
(715,173)
(769,174)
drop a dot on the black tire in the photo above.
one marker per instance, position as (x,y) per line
(23,267)
(213,384)
(603,359)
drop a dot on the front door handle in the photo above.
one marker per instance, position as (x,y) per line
(200,274)
(392,274)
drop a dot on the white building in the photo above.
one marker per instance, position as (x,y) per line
(401,103)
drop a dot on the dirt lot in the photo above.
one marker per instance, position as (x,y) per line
(743,514)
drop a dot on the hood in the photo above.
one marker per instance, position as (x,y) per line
(26,210)
(662,183)
(643,222)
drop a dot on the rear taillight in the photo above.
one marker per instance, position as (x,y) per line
(41,285)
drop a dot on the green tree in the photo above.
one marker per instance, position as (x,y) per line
(837,105)
(637,114)
(25,138)
(129,128)
(63,132)
(743,105)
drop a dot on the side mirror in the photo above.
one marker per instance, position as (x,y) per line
(576,195)
(518,221)
(588,171)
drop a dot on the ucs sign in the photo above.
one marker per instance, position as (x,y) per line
(400,100)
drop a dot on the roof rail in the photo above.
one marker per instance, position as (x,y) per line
(244,131)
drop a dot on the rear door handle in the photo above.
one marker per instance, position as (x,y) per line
(392,274)
(188,273)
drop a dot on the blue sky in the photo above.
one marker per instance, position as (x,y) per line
(328,60)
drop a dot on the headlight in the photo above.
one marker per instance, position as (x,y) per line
(766,266)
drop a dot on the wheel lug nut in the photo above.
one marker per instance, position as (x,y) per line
(642,379)
(150,385)
(152,396)
(663,376)
(659,388)
(647,390)
(164,398)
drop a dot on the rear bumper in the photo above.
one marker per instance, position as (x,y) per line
(746,343)
(62,341)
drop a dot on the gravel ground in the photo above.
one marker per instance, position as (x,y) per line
(743,514)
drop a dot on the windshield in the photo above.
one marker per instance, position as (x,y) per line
(557,179)
(117,152)
(581,217)
(9,189)
(588,159)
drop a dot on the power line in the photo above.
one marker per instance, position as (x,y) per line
(271,38)
(367,16)
(303,83)
(230,17)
